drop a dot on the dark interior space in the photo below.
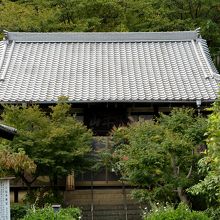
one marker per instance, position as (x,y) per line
(102,117)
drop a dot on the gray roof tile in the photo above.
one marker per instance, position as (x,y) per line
(106,67)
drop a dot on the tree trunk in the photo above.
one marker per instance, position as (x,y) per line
(176,170)
(28,183)
(182,195)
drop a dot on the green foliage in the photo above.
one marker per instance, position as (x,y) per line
(213,140)
(23,16)
(209,188)
(104,159)
(49,214)
(141,195)
(183,122)
(56,142)
(42,197)
(210,165)
(96,15)
(18,211)
(182,212)
(213,213)
(160,156)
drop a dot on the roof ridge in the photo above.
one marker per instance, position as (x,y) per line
(101,36)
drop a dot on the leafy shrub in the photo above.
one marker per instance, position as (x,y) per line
(169,213)
(49,214)
(42,197)
(18,211)
(213,213)
(75,213)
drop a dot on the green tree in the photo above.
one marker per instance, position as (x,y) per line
(161,157)
(20,16)
(56,141)
(84,15)
(210,165)
(113,15)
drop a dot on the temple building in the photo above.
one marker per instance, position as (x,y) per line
(110,79)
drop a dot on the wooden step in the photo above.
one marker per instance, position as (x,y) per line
(102,196)
(109,212)
(108,204)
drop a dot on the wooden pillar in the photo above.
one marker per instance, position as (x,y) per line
(70,182)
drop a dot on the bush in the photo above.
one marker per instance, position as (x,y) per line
(49,214)
(213,213)
(42,197)
(18,211)
(169,213)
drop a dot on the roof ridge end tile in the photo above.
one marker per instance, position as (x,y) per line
(199,59)
(2,76)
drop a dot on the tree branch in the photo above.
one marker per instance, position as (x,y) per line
(175,168)
(182,195)
(191,8)
(178,170)
(24,179)
(189,173)
(190,169)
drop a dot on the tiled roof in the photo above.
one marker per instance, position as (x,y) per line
(106,67)
(7,128)
(7,132)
